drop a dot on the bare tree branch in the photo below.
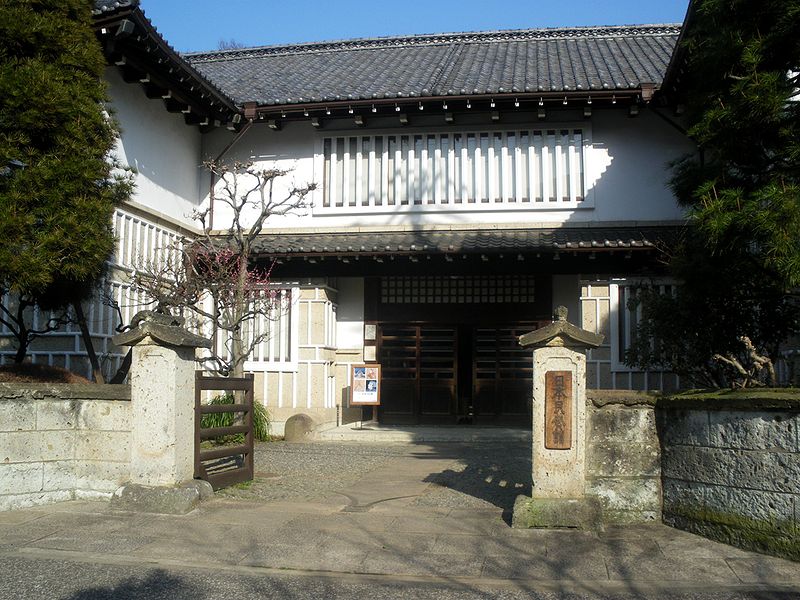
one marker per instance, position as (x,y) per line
(750,368)
(213,277)
(20,322)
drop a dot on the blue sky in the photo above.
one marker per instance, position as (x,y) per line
(201,24)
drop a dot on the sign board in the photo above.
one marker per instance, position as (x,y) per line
(558,410)
(365,385)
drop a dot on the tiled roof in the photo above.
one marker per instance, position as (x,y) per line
(107,6)
(143,48)
(463,241)
(671,83)
(497,62)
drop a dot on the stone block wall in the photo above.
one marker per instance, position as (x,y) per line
(731,468)
(62,442)
(623,458)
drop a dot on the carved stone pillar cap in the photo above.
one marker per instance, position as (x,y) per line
(561,333)
(166,330)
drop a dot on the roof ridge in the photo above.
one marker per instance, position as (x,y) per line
(100,7)
(594,31)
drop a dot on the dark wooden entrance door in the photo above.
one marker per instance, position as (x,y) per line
(435,373)
(419,373)
(502,374)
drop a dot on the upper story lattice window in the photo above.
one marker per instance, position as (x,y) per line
(484,170)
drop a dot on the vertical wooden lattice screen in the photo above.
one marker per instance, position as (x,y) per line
(502,370)
(539,168)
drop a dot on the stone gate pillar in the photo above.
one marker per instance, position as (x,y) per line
(559,428)
(162,402)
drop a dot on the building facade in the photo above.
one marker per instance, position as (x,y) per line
(467,184)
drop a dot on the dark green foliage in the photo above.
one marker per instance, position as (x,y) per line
(55,213)
(744,189)
(740,259)
(261,420)
(719,302)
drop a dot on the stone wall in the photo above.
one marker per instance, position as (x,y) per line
(623,468)
(731,468)
(62,442)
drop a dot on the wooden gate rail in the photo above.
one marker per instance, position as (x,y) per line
(230,471)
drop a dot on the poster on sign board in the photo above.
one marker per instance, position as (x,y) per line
(366,385)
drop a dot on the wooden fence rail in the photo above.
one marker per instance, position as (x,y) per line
(225,465)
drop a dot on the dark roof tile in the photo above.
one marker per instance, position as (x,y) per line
(488,240)
(546,60)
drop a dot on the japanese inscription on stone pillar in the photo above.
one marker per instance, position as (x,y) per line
(558,410)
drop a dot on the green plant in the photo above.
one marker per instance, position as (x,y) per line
(261,420)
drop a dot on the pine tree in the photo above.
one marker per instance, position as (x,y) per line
(740,258)
(741,97)
(58,182)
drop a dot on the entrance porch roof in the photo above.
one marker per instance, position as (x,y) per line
(487,240)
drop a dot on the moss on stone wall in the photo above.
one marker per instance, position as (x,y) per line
(602,398)
(64,391)
(730,461)
(777,538)
(747,399)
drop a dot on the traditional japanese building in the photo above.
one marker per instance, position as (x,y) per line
(467,184)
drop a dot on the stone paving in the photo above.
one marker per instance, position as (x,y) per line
(415,512)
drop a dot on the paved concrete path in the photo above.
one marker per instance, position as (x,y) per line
(372,539)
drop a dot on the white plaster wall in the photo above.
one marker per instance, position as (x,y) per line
(627,167)
(290,149)
(350,313)
(631,159)
(164,150)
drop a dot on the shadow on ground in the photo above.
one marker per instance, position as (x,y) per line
(483,475)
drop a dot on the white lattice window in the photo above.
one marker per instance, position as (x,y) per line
(479,170)
(277,349)
(140,241)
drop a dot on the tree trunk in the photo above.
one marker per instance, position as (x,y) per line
(239,309)
(237,365)
(87,342)
(22,351)
(122,372)
(21,333)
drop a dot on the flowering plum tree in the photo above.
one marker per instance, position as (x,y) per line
(213,277)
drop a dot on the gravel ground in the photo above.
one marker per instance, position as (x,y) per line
(481,475)
(310,471)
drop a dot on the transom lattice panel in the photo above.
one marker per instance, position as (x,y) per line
(537,168)
(482,289)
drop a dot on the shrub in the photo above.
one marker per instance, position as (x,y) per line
(261,420)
